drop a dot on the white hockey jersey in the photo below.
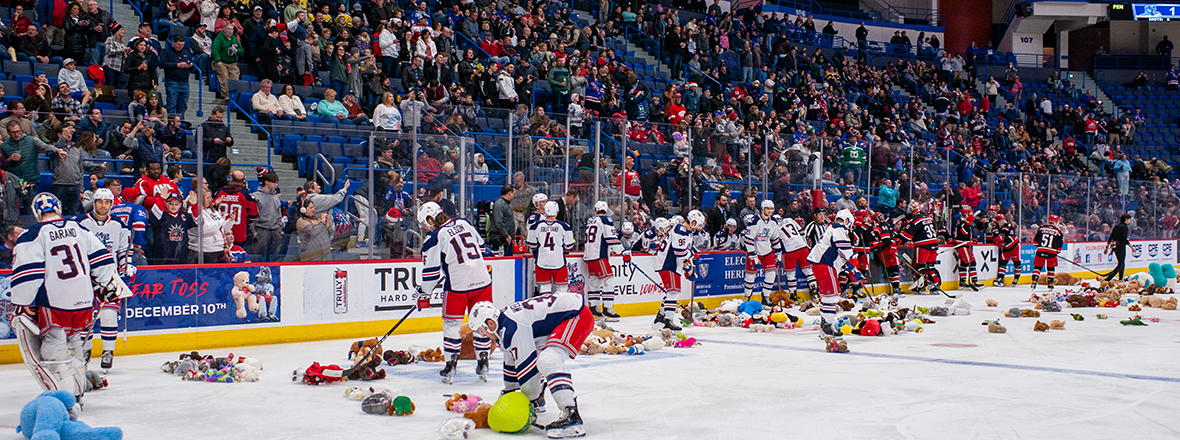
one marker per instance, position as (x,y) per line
(725,241)
(761,237)
(791,235)
(629,242)
(113,233)
(700,239)
(524,330)
(674,249)
(534,218)
(650,241)
(56,264)
(601,238)
(455,251)
(833,248)
(550,240)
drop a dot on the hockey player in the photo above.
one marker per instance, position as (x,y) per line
(59,270)
(116,236)
(828,258)
(815,229)
(627,235)
(538,214)
(650,241)
(886,249)
(134,216)
(698,235)
(862,241)
(1048,240)
(538,336)
(988,224)
(549,240)
(728,238)
(1009,243)
(673,258)
(961,239)
(795,255)
(454,250)
(601,243)
(921,232)
(762,245)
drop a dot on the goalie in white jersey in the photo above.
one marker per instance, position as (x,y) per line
(601,242)
(761,243)
(58,270)
(453,254)
(538,336)
(795,255)
(116,236)
(549,240)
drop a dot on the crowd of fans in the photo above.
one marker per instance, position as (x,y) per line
(751,97)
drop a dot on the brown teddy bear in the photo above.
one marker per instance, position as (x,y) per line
(782,299)
(1134,308)
(1065,279)
(991,303)
(1076,300)
(1056,325)
(1170,304)
(369,370)
(846,305)
(398,357)
(995,327)
(1028,313)
(365,345)
(1040,326)
(431,355)
(1152,301)
(480,415)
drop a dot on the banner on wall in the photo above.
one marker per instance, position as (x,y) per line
(354,292)
(203,297)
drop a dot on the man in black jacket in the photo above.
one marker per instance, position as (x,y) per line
(651,184)
(503,227)
(717,216)
(1118,243)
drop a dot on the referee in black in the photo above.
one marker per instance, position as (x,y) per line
(1118,243)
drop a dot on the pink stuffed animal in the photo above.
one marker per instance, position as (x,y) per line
(686,343)
(462,403)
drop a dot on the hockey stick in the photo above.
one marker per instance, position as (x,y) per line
(1089,269)
(645,275)
(365,358)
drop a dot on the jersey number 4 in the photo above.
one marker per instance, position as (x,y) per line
(69,259)
(465,247)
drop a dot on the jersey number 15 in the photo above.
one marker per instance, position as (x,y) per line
(465,247)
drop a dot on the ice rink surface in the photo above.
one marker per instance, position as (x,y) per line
(1094,380)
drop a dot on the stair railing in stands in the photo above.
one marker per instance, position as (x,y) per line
(200,84)
(269,138)
(630,29)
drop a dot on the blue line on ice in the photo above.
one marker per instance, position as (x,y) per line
(960,362)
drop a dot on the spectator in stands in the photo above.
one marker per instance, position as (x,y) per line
(76,27)
(140,70)
(266,105)
(386,116)
(94,123)
(39,79)
(886,197)
(268,228)
(651,183)
(239,207)
(51,127)
(216,135)
(73,77)
(356,114)
(502,228)
(68,170)
(65,101)
(412,109)
(51,14)
(200,46)
(39,103)
(217,174)
(88,143)
(99,22)
(113,56)
(144,148)
(177,62)
(506,86)
(207,240)
(11,233)
(291,105)
(224,56)
(32,44)
(20,153)
(314,229)
(170,229)
(331,109)
(174,135)
(313,192)
(1164,48)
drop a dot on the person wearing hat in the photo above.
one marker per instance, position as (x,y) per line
(268,227)
(73,77)
(146,147)
(169,228)
(177,62)
(224,58)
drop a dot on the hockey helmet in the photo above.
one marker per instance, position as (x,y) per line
(845,216)
(45,203)
(428,212)
(965,210)
(551,209)
(999,217)
(539,200)
(104,194)
(731,222)
(767,204)
(677,220)
(628,228)
(480,314)
(879,216)
(798,220)
(862,214)
(696,219)
(601,207)
(993,208)
(1054,219)
(777,218)
(915,207)
(660,224)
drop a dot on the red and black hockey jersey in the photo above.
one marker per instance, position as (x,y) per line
(1006,238)
(922,233)
(1049,240)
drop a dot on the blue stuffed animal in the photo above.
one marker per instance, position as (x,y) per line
(750,308)
(48,418)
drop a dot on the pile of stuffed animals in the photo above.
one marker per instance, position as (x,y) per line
(229,369)
(874,316)
(367,356)
(610,341)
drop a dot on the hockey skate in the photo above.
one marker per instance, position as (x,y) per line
(108,359)
(609,313)
(594,311)
(978,285)
(1049,286)
(481,366)
(448,371)
(999,282)
(568,425)
(663,322)
(964,284)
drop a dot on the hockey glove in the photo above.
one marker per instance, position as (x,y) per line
(423,299)
(112,290)
(857,277)
(626,256)
(754,261)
